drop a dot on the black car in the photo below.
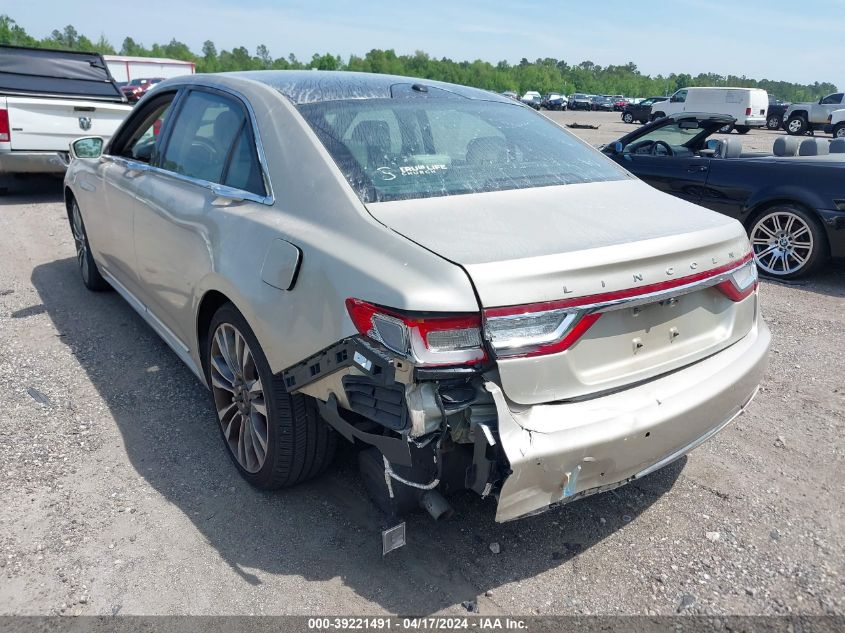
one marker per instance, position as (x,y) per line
(601,103)
(641,111)
(791,203)
(553,101)
(579,101)
(774,115)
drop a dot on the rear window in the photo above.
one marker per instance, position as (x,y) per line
(405,148)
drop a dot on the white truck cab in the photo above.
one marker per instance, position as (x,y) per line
(747,105)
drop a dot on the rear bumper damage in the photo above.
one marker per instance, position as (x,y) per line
(562,452)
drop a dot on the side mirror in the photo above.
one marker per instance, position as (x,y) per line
(618,147)
(87,147)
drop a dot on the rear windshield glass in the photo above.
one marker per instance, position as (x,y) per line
(399,149)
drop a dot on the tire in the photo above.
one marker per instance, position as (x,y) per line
(839,130)
(297,444)
(806,239)
(627,117)
(91,276)
(774,122)
(658,115)
(726,129)
(797,125)
(743,129)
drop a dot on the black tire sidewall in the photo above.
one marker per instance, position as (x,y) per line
(95,281)
(821,249)
(802,130)
(279,408)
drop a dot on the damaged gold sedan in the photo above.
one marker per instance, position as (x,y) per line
(439,274)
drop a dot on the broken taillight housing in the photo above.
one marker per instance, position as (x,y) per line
(427,339)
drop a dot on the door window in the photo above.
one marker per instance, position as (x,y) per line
(143,142)
(679,97)
(204,134)
(244,171)
(832,99)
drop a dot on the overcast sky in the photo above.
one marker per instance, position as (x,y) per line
(773,39)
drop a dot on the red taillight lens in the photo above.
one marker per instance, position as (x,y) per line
(555,326)
(741,283)
(426,339)
(747,111)
(5,132)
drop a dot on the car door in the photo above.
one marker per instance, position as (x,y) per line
(124,169)
(683,174)
(207,179)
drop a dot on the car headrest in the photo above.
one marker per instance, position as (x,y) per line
(728,148)
(814,147)
(487,149)
(786,146)
(837,146)
(373,134)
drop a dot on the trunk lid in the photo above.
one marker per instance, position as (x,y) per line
(46,123)
(549,244)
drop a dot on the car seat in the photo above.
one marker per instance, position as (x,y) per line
(487,150)
(375,137)
(786,146)
(728,148)
(814,147)
(837,146)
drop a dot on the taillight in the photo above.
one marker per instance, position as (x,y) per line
(555,326)
(5,132)
(741,282)
(427,339)
(747,111)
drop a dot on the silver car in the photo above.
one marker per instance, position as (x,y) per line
(468,292)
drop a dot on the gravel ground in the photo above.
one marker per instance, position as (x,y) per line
(118,496)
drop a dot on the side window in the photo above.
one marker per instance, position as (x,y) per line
(244,171)
(203,136)
(679,97)
(832,99)
(144,142)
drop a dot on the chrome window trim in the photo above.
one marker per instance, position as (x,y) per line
(216,188)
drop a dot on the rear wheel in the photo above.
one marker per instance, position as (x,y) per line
(839,130)
(275,439)
(797,125)
(658,115)
(726,129)
(788,242)
(774,122)
(627,117)
(91,276)
(743,129)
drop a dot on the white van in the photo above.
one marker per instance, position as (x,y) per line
(747,105)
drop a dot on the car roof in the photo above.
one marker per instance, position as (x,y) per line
(313,86)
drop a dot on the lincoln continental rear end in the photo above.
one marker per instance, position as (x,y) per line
(470,294)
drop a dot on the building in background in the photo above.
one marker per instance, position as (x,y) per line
(124,68)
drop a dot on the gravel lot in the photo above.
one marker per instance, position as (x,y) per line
(118,496)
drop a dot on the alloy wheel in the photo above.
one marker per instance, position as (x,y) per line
(239,397)
(839,132)
(795,125)
(80,240)
(782,243)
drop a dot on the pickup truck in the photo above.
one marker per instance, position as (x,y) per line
(836,124)
(805,117)
(47,99)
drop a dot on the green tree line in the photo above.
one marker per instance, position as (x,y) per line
(543,75)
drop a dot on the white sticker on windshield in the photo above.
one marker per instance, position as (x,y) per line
(420,170)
